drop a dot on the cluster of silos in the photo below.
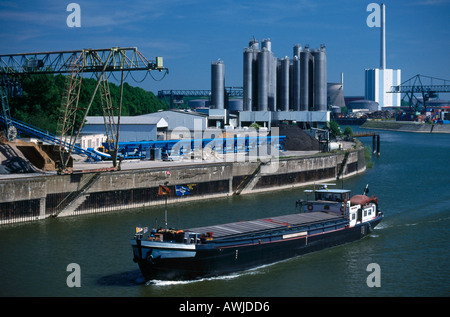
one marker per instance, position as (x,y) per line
(260,66)
(284,84)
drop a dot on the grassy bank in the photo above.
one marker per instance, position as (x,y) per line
(404,126)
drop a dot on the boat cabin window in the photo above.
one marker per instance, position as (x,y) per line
(331,196)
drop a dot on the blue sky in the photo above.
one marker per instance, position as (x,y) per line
(190,34)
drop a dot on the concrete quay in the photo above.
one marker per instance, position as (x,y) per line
(35,196)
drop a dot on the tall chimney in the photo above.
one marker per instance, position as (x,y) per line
(383,37)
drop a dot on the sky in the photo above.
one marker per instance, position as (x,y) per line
(189,35)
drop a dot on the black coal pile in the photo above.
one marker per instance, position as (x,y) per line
(297,139)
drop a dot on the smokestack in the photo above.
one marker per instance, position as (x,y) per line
(383,37)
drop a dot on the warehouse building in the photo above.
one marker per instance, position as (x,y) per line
(132,129)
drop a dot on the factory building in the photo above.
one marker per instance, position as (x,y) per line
(378,84)
(379,81)
(275,89)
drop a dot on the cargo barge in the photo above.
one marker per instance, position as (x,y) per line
(331,219)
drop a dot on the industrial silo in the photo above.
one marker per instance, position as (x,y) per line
(255,79)
(198,103)
(278,88)
(284,84)
(297,50)
(306,69)
(248,80)
(235,105)
(296,84)
(271,83)
(267,44)
(253,44)
(217,85)
(335,94)
(273,78)
(263,79)
(320,79)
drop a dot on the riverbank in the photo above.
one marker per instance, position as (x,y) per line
(32,197)
(403,126)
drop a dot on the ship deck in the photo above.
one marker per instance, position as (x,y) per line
(272,223)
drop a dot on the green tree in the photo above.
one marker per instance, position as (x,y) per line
(334,128)
(41,101)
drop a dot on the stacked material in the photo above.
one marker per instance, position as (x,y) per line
(298,140)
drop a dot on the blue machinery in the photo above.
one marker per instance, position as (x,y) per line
(31,131)
(133,150)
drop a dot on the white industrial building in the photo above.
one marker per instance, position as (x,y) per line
(132,129)
(180,119)
(379,83)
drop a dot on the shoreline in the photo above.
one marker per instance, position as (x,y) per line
(405,126)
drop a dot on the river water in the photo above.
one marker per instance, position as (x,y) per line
(411,246)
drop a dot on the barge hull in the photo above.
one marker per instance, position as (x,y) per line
(226,259)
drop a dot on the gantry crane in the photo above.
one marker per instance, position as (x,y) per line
(101,62)
(427,87)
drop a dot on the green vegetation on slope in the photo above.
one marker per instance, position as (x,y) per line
(41,100)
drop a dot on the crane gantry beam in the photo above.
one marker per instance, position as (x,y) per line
(122,59)
(101,62)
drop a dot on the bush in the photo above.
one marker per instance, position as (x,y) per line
(368,157)
(348,132)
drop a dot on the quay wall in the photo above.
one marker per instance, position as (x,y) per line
(34,198)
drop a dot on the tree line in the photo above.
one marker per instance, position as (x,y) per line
(40,102)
